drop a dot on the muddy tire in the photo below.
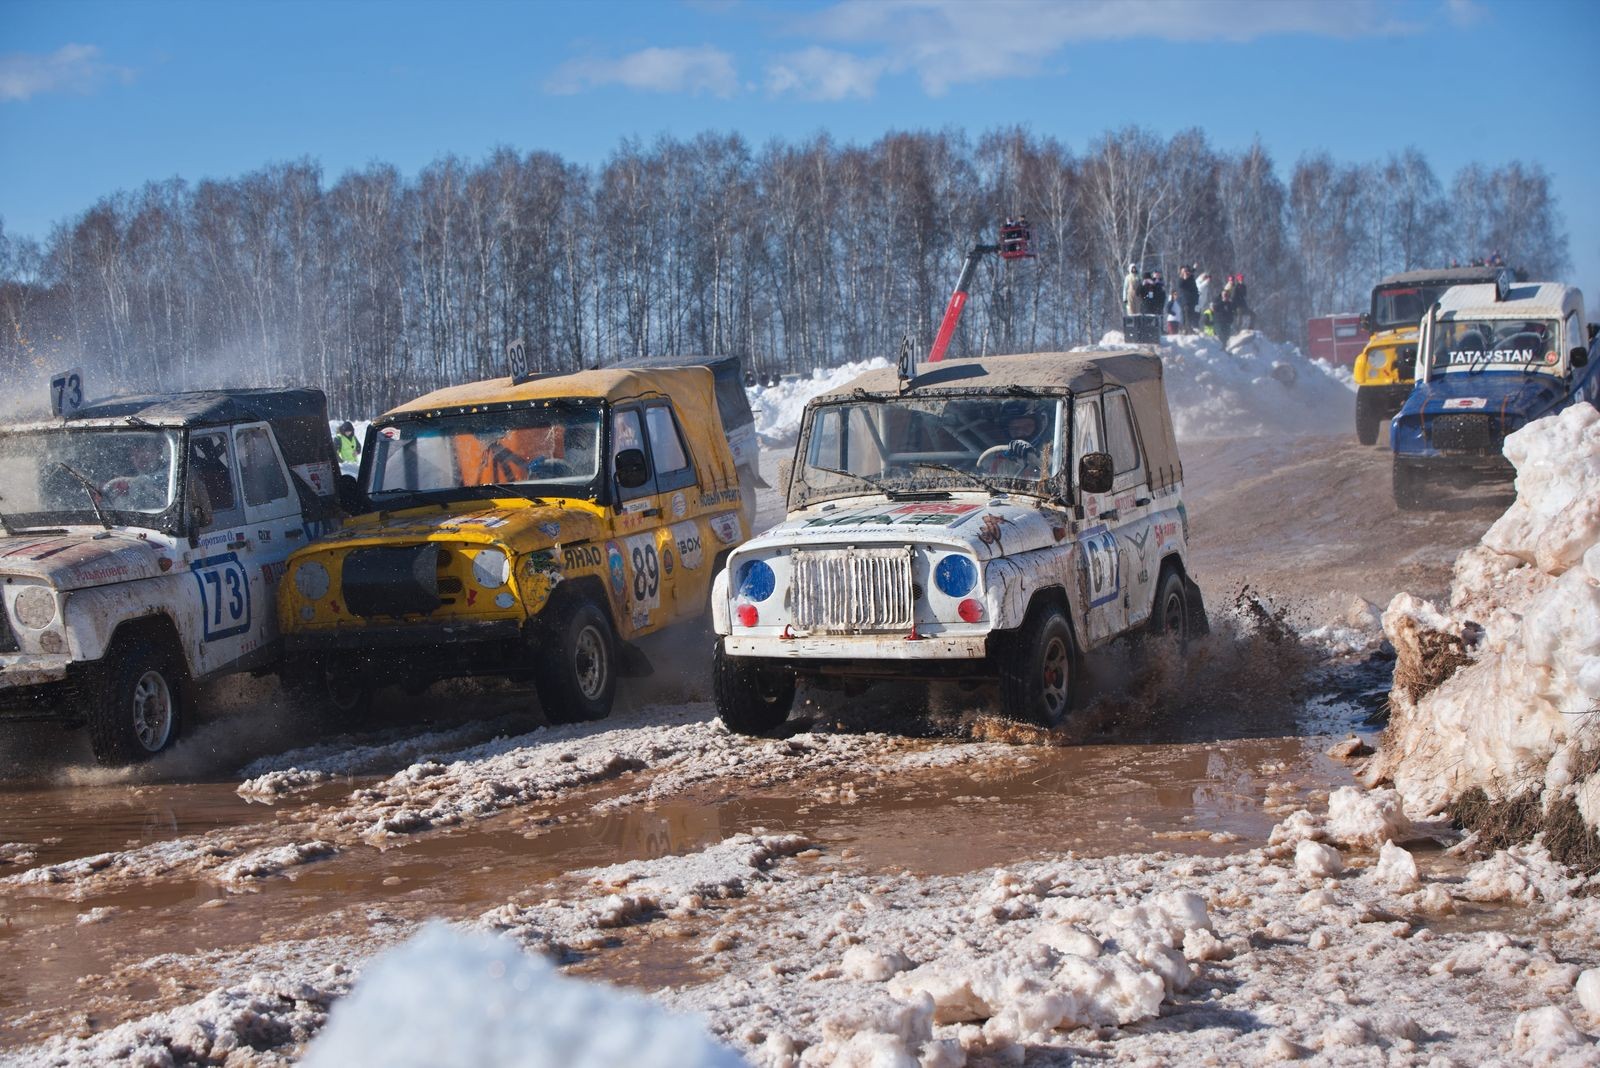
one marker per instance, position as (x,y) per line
(576,675)
(1410,488)
(134,702)
(1367,418)
(1036,671)
(752,697)
(1170,615)
(321,690)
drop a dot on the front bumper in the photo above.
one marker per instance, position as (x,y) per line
(858,648)
(38,689)
(1385,400)
(395,637)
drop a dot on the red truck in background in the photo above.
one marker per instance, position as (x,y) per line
(1336,339)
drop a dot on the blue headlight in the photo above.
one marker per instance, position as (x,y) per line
(756,580)
(955,576)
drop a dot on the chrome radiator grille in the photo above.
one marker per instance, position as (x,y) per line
(845,590)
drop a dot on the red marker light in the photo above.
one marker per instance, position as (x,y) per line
(970,610)
(748,616)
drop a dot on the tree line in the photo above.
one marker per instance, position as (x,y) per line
(795,256)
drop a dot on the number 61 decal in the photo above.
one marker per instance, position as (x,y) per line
(224,596)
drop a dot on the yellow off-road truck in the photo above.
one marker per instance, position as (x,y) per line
(526,529)
(1386,368)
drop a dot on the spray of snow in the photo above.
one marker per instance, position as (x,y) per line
(1510,671)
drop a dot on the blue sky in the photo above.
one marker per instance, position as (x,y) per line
(97,97)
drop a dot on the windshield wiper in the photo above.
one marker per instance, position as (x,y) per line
(994,491)
(877,487)
(91,489)
(512,489)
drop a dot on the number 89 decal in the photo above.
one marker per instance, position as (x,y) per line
(224,596)
(645,564)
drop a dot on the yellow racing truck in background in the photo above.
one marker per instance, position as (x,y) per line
(1386,368)
(530,529)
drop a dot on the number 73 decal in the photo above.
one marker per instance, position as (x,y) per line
(224,596)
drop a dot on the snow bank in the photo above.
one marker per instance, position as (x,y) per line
(778,408)
(1253,387)
(1504,684)
(452,998)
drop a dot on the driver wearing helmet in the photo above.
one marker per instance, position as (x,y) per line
(1025,431)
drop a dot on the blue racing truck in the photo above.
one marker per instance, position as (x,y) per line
(1491,359)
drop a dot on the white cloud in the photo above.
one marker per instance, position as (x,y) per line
(824,74)
(659,70)
(73,68)
(1465,13)
(949,42)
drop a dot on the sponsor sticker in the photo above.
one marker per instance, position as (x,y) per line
(619,574)
(550,530)
(680,505)
(726,527)
(581,557)
(686,536)
(1466,402)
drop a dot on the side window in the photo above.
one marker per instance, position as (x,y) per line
(1122,444)
(211,472)
(627,432)
(260,473)
(1086,434)
(670,459)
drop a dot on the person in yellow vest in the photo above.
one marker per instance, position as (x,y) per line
(345,443)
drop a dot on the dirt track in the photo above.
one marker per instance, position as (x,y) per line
(1309,523)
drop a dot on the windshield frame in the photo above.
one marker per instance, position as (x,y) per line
(1058,487)
(598,489)
(169,520)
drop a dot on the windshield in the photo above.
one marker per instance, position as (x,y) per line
(59,475)
(552,450)
(1402,306)
(913,445)
(1479,343)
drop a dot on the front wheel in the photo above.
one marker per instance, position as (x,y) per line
(1036,672)
(341,697)
(134,704)
(752,697)
(577,672)
(1367,418)
(1409,487)
(1170,615)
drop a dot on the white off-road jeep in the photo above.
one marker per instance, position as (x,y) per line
(144,539)
(997,517)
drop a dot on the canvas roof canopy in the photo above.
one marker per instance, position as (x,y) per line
(1075,373)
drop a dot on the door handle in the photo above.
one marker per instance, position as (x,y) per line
(1110,514)
(240,544)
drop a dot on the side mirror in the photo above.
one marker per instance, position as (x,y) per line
(1095,473)
(632,472)
(199,517)
(1579,356)
(1365,322)
(1594,330)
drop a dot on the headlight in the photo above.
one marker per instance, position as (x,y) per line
(756,580)
(311,579)
(490,568)
(955,575)
(35,607)
(1377,360)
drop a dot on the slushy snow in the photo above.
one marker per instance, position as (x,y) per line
(1499,689)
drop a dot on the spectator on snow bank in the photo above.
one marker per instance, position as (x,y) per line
(1152,294)
(1189,297)
(1175,314)
(1205,292)
(345,443)
(1130,290)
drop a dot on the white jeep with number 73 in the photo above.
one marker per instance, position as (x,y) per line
(143,542)
(992,518)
